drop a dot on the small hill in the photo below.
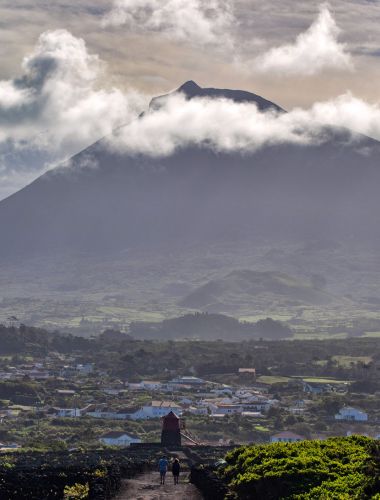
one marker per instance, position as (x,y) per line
(209,327)
(251,287)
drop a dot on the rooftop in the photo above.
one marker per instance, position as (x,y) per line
(165,404)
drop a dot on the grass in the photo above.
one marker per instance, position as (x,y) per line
(322,380)
(261,428)
(270,380)
(320,362)
(372,335)
(347,361)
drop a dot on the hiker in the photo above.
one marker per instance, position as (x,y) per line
(176,469)
(163,468)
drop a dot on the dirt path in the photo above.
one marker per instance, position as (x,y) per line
(147,487)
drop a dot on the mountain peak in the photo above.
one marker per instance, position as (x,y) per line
(192,90)
(189,87)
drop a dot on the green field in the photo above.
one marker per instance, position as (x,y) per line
(372,334)
(347,361)
(321,380)
(261,428)
(270,380)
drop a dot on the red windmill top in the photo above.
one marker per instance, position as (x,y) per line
(171,422)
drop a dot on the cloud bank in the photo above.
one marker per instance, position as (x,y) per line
(194,21)
(227,126)
(57,104)
(315,50)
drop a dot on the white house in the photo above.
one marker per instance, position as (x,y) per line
(351,414)
(260,406)
(286,437)
(127,413)
(157,409)
(186,401)
(115,438)
(114,414)
(197,410)
(187,380)
(101,412)
(249,395)
(111,391)
(151,385)
(86,368)
(297,411)
(227,409)
(252,414)
(68,412)
(10,446)
(222,392)
(37,374)
(316,388)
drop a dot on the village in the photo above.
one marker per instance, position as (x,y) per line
(63,402)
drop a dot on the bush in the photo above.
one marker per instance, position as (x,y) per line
(344,468)
(77,492)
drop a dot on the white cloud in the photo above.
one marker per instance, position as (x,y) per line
(56,107)
(315,50)
(226,126)
(348,111)
(194,21)
(57,103)
(217,123)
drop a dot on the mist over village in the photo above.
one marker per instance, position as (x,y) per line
(190,250)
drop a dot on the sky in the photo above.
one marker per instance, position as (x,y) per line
(73,70)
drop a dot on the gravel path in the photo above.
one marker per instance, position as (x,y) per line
(147,487)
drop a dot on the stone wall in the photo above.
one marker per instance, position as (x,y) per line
(208,483)
(40,476)
(44,475)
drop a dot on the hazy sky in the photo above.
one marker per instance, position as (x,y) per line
(114,55)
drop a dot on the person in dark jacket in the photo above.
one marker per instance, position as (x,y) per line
(176,469)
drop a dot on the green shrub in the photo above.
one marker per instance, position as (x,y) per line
(77,492)
(339,468)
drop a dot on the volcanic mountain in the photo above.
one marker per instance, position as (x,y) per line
(110,205)
(108,201)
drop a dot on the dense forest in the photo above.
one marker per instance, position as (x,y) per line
(28,339)
(132,359)
(338,468)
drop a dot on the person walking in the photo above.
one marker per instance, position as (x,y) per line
(176,469)
(163,468)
